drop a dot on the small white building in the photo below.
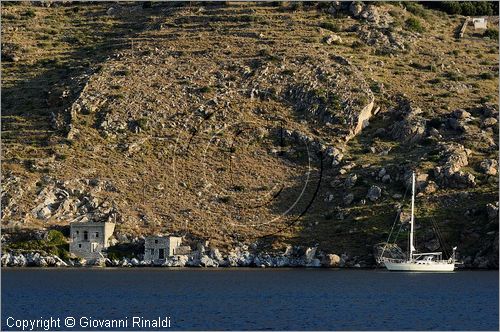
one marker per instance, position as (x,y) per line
(480,23)
(159,247)
(88,239)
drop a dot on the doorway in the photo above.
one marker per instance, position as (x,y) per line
(161,253)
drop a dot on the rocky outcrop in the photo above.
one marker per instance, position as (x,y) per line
(411,128)
(331,260)
(67,200)
(450,174)
(374,193)
(350,181)
(20,259)
(492,211)
(238,257)
(489,166)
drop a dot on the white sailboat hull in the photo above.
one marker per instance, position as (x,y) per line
(420,267)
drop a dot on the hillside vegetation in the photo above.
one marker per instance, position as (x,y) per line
(270,124)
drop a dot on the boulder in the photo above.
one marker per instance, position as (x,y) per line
(356,8)
(348,199)
(314,263)
(232,259)
(350,181)
(492,211)
(450,174)
(330,260)
(455,124)
(489,166)
(335,155)
(282,261)
(343,260)
(206,261)
(374,193)
(409,130)
(461,114)
(5,259)
(433,132)
(216,255)
(44,213)
(332,39)
(371,14)
(245,259)
(310,254)
(180,260)
(489,122)
(430,187)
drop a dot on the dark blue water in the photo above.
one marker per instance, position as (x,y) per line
(284,299)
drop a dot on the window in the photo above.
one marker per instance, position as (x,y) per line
(156,241)
(77,232)
(79,245)
(85,236)
(152,252)
(96,234)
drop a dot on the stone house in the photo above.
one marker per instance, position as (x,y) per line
(88,239)
(160,247)
(480,23)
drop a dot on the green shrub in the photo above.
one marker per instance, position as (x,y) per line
(435,123)
(7,16)
(226,199)
(125,72)
(486,76)
(414,24)
(467,8)
(486,99)
(375,87)
(330,26)
(142,123)
(296,5)
(357,44)
(491,33)
(420,66)
(29,13)
(55,244)
(415,9)
(239,188)
(453,76)
(205,89)
(55,237)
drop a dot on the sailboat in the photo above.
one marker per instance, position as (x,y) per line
(415,261)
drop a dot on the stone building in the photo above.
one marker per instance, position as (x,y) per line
(89,239)
(159,247)
(480,23)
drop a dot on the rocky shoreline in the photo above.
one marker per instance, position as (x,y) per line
(293,257)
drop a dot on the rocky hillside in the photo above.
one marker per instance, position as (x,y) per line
(269,124)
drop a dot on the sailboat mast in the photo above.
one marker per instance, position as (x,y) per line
(412,248)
